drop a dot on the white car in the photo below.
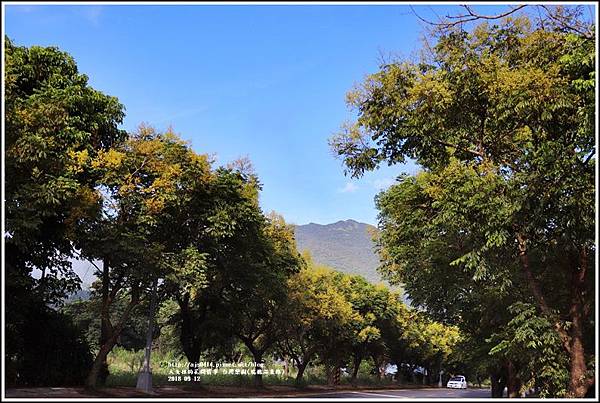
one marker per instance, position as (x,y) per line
(457,382)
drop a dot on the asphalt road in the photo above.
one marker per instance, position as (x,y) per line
(406,394)
(233,392)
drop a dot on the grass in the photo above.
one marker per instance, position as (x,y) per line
(124,366)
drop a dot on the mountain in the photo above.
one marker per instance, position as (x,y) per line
(346,246)
(81,295)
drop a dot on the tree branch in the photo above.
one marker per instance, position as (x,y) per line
(563,23)
(537,293)
(589,157)
(467,150)
(469,17)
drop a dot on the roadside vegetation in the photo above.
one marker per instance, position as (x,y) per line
(492,241)
(144,208)
(495,234)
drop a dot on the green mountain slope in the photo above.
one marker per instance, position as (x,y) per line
(346,246)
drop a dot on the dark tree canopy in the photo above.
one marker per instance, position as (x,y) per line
(53,121)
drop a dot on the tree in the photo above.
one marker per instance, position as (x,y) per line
(138,182)
(315,308)
(501,120)
(424,250)
(335,340)
(258,302)
(556,17)
(53,121)
(375,323)
(220,221)
(529,342)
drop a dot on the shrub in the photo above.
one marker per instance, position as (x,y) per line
(52,351)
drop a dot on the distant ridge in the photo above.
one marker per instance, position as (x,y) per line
(346,246)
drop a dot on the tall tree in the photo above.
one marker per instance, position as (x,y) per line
(137,182)
(501,119)
(53,121)
(376,312)
(258,301)
(423,250)
(221,221)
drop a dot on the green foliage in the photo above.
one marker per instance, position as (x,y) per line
(529,340)
(54,120)
(84,314)
(316,316)
(335,319)
(142,229)
(54,123)
(256,304)
(501,120)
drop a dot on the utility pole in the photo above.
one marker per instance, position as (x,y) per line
(144,381)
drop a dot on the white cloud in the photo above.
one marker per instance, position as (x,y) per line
(383,183)
(349,188)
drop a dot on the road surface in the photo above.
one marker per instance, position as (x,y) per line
(428,393)
(240,392)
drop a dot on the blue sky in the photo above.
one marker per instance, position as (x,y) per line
(266,82)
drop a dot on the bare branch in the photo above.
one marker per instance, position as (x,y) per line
(472,13)
(470,16)
(562,23)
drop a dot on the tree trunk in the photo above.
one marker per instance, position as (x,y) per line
(105,325)
(579,381)
(380,364)
(498,384)
(512,382)
(258,380)
(330,372)
(300,374)
(191,343)
(400,374)
(356,366)
(257,354)
(572,341)
(286,367)
(91,381)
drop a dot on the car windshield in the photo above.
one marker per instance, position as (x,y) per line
(456,379)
